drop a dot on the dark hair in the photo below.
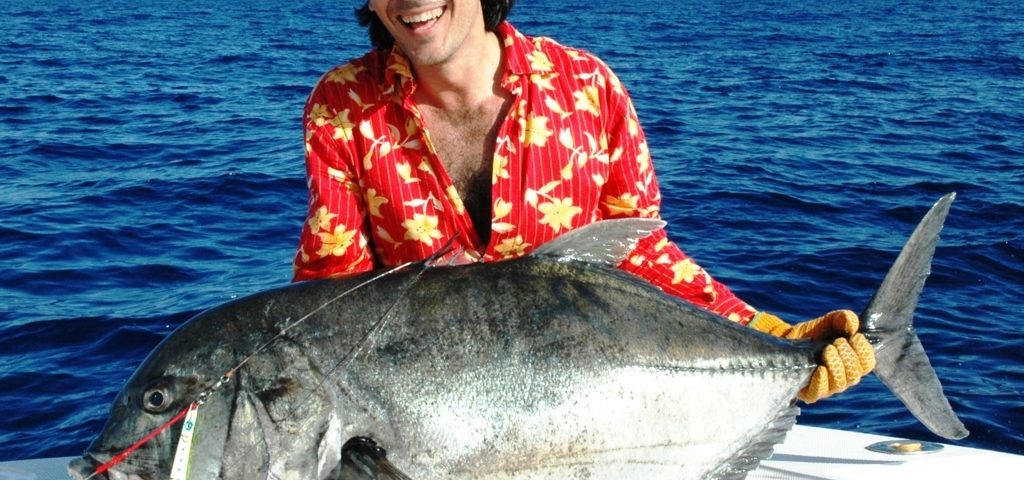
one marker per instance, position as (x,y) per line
(495,12)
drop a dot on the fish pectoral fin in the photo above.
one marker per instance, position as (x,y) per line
(363,459)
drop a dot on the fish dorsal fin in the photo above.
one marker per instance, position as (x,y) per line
(607,242)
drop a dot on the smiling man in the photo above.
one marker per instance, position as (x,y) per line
(458,130)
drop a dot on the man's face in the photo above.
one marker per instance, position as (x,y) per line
(430,32)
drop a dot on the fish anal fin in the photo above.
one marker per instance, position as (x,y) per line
(363,459)
(606,242)
(760,447)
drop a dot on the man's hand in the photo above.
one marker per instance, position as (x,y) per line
(844,361)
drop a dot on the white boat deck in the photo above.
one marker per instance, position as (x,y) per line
(809,453)
(820,453)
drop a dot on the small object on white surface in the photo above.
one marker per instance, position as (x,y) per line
(824,453)
(905,447)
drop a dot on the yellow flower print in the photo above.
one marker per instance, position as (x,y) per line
(637,260)
(539,61)
(383,234)
(453,196)
(643,157)
(345,74)
(533,196)
(553,105)
(500,168)
(535,130)
(319,114)
(374,201)
(354,96)
(512,247)
(425,167)
(344,179)
(595,78)
(566,139)
(422,228)
(366,130)
(588,100)
(558,214)
(616,84)
(404,170)
(684,271)
(336,243)
(568,170)
(650,212)
(342,126)
(400,66)
(624,204)
(501,208)
(411,127)
(321,220)
(709,290)
(543,81)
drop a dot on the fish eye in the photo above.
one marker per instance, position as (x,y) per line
(156,400)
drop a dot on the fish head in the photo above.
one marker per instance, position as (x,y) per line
(182,370)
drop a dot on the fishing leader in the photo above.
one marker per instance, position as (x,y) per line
(457,129)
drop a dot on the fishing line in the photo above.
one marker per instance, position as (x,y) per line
(190,409)
(362,342)
(298,322)
(432,261)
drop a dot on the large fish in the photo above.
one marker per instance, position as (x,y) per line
(557,365)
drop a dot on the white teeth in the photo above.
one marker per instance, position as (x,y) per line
(423,17)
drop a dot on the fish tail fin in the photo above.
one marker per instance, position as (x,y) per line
(901,362)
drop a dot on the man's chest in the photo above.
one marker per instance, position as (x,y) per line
(464,143)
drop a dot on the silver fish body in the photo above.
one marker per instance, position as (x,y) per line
(554,366)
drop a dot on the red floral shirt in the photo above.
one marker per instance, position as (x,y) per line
(570,152)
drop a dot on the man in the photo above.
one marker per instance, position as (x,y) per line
(458,129)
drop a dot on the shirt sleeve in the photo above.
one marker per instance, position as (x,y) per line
(333,241)
(632,191)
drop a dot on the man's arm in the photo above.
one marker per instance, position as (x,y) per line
(632,190)
(332,241)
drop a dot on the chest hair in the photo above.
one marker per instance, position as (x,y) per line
(465,140)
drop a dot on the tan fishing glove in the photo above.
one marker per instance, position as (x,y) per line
(843,362)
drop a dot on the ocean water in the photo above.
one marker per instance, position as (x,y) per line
(151,167)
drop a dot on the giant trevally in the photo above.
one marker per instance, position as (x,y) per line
(556,365)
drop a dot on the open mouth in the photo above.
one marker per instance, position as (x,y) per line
(422,20)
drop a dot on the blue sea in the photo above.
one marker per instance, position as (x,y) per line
(151,167)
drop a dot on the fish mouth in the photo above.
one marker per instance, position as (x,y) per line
(84,467)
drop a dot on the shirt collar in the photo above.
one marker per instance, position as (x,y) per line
(523,57)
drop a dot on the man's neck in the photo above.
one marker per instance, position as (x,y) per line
(464,82)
